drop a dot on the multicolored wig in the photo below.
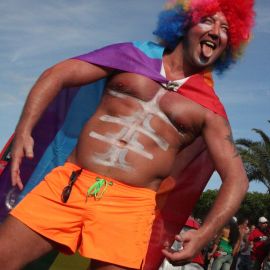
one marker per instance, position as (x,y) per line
(179,15)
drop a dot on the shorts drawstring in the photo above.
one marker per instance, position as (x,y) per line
(96,189)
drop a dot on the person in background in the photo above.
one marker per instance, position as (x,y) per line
(259,239)
(266,261)
(226,247)
(243,260)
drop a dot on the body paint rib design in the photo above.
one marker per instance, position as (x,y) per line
(133,145)
(133,125)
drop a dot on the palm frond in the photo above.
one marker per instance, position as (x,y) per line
(265,138)
(256,157)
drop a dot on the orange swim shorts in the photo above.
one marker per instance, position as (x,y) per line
(114,228)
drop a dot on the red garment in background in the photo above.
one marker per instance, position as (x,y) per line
(258,238)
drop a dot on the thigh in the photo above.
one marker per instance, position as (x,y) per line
(244,260)
(123,217)
(43,211)
(256,265)
(226,266)
(20,245)
(217,263)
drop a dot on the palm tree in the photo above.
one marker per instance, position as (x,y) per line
(256,157)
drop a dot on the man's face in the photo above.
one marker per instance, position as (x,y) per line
(263,226)
(206,41)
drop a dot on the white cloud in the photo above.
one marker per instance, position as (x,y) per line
(35,28)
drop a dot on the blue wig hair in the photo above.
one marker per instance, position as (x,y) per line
(171,26)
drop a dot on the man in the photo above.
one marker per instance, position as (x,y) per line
(146,121)
(259,240)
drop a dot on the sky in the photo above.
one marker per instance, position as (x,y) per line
(36,34)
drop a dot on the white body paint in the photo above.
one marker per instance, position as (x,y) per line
(132,126)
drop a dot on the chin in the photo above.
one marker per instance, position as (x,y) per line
(202,63)
(199,62)
(205,62)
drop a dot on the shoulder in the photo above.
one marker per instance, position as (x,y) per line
(200,88)
(216,121)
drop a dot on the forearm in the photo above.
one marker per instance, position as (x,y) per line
(68,73)
(236,248)
(225,206)
(213,250)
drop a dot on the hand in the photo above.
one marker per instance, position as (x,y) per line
(22,147)
(191,245)
(209,256)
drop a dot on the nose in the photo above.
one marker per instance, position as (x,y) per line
(215,31)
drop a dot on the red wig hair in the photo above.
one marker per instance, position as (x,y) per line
(239,14)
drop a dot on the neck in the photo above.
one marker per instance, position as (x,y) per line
(175,65)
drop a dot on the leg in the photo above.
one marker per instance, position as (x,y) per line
(20,245)
(226,266)
(227,263)
(218,262)
(99,265)
(243,262)
(256,265)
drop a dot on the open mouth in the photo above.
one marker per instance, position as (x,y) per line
(208,48)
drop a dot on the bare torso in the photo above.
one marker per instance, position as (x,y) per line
(137,131)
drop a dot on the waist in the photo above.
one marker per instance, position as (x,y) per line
(87,175)
(131,171)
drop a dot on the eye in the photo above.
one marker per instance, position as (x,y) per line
(225,29)
(207,20)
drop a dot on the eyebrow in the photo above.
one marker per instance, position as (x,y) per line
(222,22)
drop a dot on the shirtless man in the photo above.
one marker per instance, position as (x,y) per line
(106,190)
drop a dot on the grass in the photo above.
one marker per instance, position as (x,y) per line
(64,262)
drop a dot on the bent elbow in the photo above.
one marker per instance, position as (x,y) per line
(51,76)
(47,73)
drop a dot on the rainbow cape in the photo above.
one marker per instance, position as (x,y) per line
(57,132)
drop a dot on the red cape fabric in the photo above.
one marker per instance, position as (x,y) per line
(199,88)
(193,168)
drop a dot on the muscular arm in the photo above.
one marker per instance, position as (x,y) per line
(218,137)
(65,74)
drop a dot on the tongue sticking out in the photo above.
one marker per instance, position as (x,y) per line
(207,51)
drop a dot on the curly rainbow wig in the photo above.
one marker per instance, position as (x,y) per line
(179,15)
